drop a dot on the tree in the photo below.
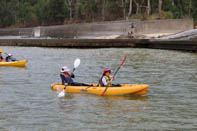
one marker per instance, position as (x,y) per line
(130,8)
(69,4)
(103,9)
(148,7)
(190,7)
(25,13)
(47,12)
(160,7)
(6,14)
(57,11)
(123,3)
(88,9)
(114,10)
(137,7)
(42,12)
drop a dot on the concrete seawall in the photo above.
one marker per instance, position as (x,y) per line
(81,35)
(90,30)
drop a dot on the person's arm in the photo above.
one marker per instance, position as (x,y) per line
(112,77)
(6,59)
(13,59)
(64,80)
(72,75)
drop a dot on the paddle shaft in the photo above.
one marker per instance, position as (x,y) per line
(119,67)
(114,74)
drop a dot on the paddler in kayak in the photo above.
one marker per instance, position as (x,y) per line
(9,58)
(107,78)
(1,57)
(67,78)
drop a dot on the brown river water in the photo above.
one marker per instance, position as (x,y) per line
(28,104)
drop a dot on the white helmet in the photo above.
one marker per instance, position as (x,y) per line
(65,69)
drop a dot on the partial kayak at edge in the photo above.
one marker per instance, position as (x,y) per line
(20,63)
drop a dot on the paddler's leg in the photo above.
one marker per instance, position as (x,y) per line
(116,85)
(80,84)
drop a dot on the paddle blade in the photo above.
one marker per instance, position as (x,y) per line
(61,94)
(76,63)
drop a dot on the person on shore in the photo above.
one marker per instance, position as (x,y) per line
(1,57)
(67,78)
(131,32)
(9,58)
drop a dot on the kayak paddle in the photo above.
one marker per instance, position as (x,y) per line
(102,94)
(76,64)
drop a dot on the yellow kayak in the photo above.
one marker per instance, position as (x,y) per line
(125,89)
(20,63)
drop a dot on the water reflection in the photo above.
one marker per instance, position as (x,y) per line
(127,97)
(113,104)
(14,67)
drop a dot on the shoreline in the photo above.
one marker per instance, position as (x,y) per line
(183,45)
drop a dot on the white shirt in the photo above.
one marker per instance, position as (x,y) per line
(104,81)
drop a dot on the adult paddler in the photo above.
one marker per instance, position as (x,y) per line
(1,57)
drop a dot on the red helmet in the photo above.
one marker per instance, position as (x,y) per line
(106,70)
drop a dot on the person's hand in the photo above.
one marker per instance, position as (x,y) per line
(113,77)
(65,84)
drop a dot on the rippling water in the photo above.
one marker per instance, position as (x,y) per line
(27,102)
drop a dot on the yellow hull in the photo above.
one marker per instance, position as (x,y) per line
(21,63)
(125,89)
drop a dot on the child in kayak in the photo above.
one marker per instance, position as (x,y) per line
(107,78)
(67,78)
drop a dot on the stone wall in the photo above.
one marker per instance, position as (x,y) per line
(91,30)
(164,26)
(88,30)
(28,32)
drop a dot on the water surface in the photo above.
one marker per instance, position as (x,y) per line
(27,102)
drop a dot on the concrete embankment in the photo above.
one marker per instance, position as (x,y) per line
(83,35)
(100,29)
(184,45)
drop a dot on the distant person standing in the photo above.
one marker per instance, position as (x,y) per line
(131,31)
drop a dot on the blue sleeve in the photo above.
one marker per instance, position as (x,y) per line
(6,59)
(63,79)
